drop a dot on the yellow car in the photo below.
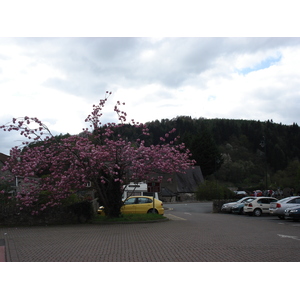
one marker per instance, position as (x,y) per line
(139,205)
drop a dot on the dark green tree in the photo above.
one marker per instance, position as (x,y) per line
(206,152)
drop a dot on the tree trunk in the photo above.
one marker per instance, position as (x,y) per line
(110,195)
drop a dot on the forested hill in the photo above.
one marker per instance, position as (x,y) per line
(237,151)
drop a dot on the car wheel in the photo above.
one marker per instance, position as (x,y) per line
(257,212)
(281,217)
(150,211)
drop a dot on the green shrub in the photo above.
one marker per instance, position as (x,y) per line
(211,190)
(82,210)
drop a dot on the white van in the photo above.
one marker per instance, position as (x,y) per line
(137,189)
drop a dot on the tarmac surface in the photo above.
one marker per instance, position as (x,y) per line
(185,237)
(2,250)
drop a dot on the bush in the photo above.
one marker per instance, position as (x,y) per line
(211,190)
(79,212)
(83,211)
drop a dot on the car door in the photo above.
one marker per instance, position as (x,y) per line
(143,205)
(265,205)
(266,202)
(129,206)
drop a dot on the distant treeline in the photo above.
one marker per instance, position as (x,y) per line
(240,152)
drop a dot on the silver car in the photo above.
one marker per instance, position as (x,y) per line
(278,208)
(228,206)
(293,213)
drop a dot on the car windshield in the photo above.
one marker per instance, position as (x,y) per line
(250,200)
(243,199)
(284,199)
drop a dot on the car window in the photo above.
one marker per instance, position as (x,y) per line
(265,201)
(295,200)
(247,200)
(130,201)
(142,200)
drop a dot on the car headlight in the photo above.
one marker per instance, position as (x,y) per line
(294,210)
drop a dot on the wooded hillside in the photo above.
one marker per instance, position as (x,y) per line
(240,153)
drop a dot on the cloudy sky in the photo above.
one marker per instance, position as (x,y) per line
(58,79)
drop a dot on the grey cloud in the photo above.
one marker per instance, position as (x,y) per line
(93,65)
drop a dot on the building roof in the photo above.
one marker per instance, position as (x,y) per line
(183,182)
(3,157)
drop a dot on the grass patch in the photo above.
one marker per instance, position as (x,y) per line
(128,218)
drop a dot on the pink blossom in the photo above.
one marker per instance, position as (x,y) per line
(76,160)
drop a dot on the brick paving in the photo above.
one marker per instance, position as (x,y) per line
(2,250)
(195,238)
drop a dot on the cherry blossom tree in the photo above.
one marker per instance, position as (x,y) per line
(56,168)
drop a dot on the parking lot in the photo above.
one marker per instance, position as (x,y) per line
(192,234)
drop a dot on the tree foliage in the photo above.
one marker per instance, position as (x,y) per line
(212,190)
(238,152)
(100,154)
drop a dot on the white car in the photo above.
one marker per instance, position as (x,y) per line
(278,208)
(259,206)
(227,207)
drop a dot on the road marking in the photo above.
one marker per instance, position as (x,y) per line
(172,217)
(289,237)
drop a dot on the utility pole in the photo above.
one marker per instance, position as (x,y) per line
(263,144)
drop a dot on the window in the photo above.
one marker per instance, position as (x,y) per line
(142,200)
(296,200)
(130,201)
(88,184)
(266,201)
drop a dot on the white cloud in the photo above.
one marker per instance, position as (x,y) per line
(58,79)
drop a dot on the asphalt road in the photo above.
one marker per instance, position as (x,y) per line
(192,234)
(202,207)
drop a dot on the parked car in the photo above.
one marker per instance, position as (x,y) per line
(240,194)
(293,213)
(138,205)
(258,206)
(239,207)
(278,208)
(226,207)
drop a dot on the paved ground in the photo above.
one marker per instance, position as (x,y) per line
(184,238)
(2,250)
